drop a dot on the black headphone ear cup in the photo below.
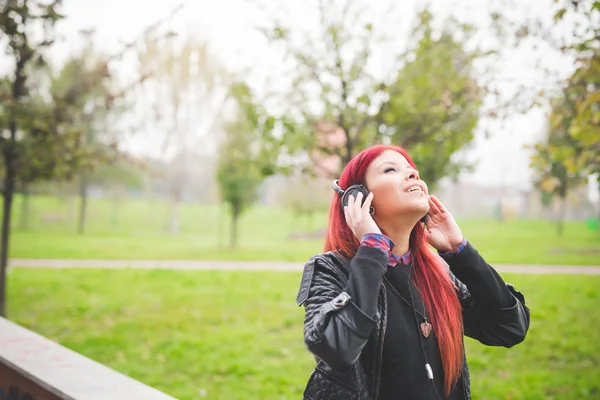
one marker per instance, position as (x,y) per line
(354,190)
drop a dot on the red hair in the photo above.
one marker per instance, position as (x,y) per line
(430,276)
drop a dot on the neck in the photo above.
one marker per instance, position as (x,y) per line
(399,232)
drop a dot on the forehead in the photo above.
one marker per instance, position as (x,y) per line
(389,156)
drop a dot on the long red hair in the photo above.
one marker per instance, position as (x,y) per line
(430,275)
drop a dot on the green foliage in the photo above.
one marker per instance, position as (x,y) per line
(554,157)
(332,87)
(88,100)
(237,335)
(57,116)
(584,88)
(245,159)
(577,115)
(25,114)
(27,122)
(433,105)
(338,107)
(571,151)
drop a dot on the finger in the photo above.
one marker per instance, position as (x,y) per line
(359,197)
(355,209)
(350,204)
(368,200)
(433,208)
(438,203)
(347,215)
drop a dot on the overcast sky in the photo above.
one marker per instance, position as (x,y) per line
(228,26)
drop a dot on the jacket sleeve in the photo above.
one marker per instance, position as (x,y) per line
(494,312)
(337,325)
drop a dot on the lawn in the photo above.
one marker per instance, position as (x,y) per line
(136,230)
(238,335)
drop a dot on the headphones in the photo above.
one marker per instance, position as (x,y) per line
(354,190)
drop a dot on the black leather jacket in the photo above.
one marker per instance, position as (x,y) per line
(348,344)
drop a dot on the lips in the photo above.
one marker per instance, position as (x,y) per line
(415,188)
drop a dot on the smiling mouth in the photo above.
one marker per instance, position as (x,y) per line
(415,188)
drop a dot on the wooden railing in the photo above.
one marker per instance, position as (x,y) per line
(33,367)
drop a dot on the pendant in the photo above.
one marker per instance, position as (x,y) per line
(426,329)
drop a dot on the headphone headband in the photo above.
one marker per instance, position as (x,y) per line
(336,187)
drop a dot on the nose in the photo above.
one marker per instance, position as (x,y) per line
(413,175)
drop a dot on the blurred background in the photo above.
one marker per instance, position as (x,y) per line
(210,132)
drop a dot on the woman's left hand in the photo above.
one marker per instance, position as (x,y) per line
(444,233)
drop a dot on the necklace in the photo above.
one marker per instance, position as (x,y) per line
(424,326)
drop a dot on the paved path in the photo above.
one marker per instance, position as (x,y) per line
(260,266)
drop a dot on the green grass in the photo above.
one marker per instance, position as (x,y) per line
(238,335)
(136,230)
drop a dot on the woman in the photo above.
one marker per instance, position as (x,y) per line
(384,314)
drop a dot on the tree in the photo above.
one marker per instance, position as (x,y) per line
(574,32)
(186,92)
(332,87)
(244,158)
(554,157)
(89,99)
(427,101)
(584,90)
(581,90)
(434,104)
(27,121)
(572,151)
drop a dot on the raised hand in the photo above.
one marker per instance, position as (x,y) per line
(358,217)
(444,233)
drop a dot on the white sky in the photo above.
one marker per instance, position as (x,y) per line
(228,27)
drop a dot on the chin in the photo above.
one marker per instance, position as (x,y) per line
(422,206)
(414,211)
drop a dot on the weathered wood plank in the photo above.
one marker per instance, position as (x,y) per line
(45,370)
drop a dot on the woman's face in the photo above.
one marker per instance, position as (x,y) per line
(397,188)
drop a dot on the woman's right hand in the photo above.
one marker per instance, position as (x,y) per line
(358,217)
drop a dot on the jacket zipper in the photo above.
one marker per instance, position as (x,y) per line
(384,323)
(467,396)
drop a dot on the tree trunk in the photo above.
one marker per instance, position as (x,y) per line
(220,229)
(598,199)
(83,195)
(174,226)
(235,214)
(561,217)
(24,220)
(71,209)
(9,188)
(116,203)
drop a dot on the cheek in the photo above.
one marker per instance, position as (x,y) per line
(384,194)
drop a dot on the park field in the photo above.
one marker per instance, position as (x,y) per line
(238,335)
(136,229)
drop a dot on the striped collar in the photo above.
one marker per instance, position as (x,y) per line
(394,260)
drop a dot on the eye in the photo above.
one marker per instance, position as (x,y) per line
(388,169)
